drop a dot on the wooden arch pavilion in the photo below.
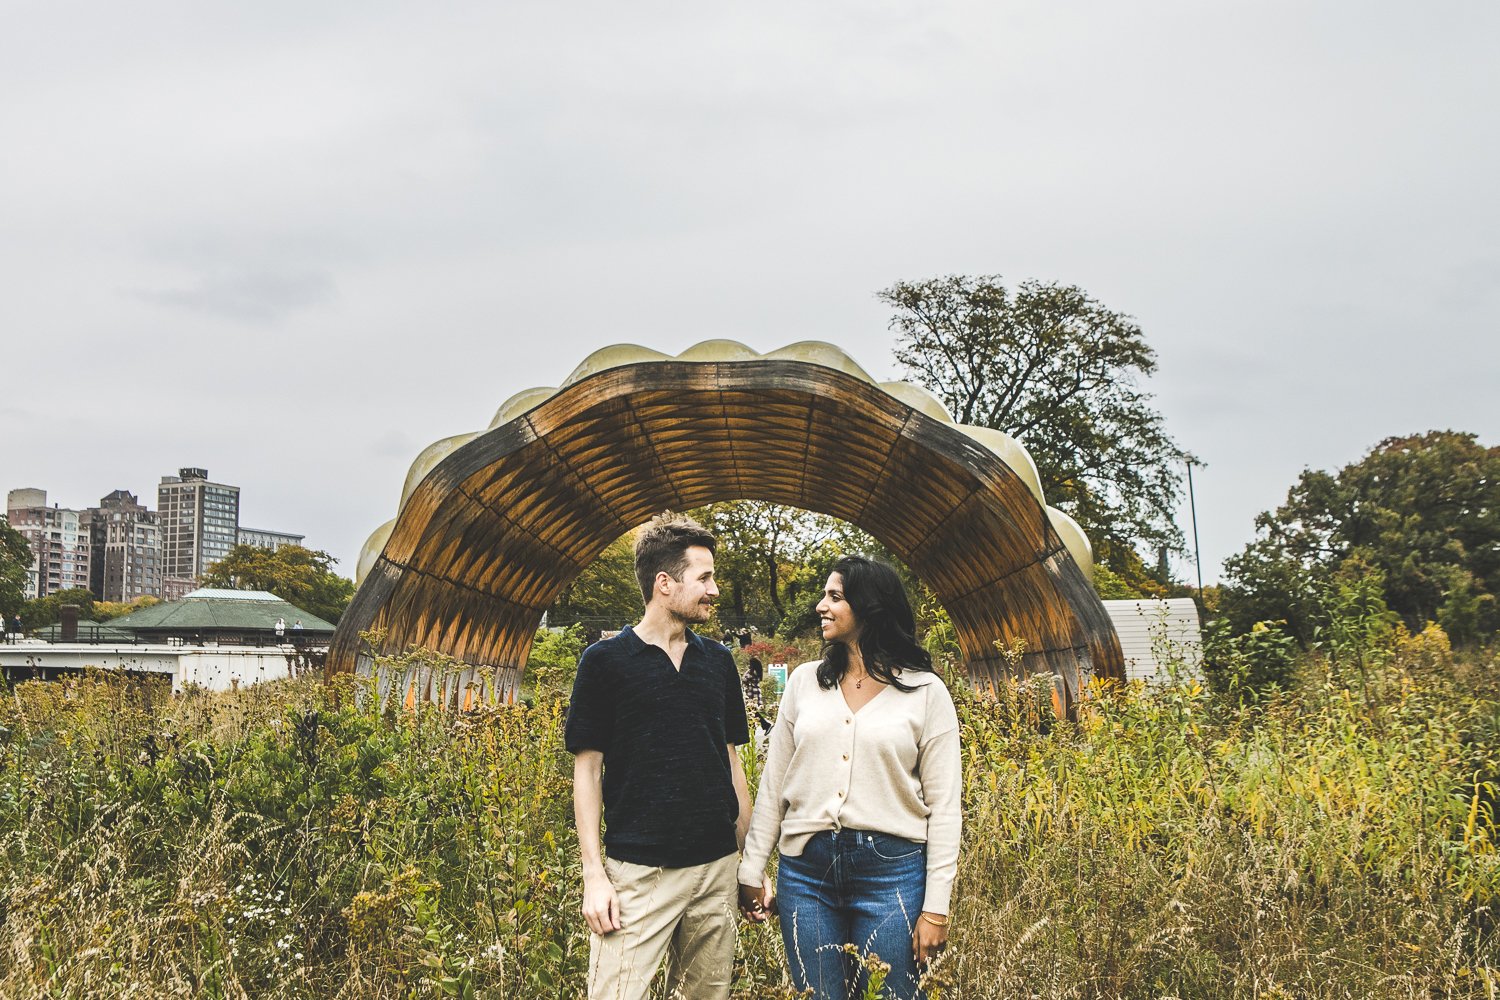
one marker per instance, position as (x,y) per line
(494,525)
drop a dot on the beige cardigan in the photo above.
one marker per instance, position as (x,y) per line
(892,767)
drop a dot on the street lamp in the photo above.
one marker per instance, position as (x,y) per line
(1191,461)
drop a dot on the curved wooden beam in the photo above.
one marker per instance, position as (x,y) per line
(488,539)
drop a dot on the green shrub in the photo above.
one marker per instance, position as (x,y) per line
(553,662)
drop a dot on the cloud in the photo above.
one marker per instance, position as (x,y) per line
(255,295)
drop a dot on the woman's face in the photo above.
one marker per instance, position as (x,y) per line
(839,624)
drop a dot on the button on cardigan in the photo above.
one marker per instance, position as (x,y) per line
(892,767)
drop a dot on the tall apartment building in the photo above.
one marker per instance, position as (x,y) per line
(266,539)
(199,523)
(126,557)
(59,540)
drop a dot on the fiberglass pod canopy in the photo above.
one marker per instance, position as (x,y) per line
(494,524)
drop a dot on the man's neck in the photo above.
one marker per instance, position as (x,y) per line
(659,627)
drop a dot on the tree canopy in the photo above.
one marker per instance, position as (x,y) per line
(43,611)
(15,560)
(770,561)
(104,611)
(1058,371)
(605,595)
(1420,512)
(297,575)
(770,570)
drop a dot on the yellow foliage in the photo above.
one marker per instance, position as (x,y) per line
(1428,649)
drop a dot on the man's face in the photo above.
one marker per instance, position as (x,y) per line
(691,599)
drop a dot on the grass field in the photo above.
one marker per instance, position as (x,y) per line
(293,841)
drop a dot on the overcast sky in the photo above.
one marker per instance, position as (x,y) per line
(294,243)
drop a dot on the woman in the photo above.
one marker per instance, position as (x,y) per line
(861,793)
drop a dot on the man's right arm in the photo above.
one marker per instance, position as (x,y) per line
(601,904)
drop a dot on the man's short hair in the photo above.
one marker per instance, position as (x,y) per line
(662,546)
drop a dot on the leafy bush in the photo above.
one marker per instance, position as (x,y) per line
(1247,667)
(553,662)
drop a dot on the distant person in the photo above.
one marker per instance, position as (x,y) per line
(861,792)
(297,632)
(654,722)
(280,630)
(754,674)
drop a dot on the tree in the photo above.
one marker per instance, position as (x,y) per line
(299,576)
(770,568)
(109,610)
(1058,371)
(43,611)
(15,561)
(1420,512)
(772,561)
(605,595)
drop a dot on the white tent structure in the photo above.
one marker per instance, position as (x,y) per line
(1154,634)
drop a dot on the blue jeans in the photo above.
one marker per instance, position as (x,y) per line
(852,887)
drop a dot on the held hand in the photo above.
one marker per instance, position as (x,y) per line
(929,937)
(753,903)
(601,904)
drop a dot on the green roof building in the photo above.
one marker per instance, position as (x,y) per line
(245,617)
(96,632)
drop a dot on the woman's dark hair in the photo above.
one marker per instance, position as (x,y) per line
(887,628)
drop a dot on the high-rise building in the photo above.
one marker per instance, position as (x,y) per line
(126,558)
(59,541)
(199,522)
(264,539)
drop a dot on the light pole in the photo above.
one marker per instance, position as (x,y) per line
(1189,458)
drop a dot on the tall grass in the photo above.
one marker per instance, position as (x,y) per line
(292,840)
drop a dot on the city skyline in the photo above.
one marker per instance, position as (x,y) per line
(120,549)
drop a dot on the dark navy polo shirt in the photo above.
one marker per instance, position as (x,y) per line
(669,798)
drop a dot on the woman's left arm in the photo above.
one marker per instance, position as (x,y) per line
(940,769)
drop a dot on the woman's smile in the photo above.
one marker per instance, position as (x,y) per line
(838,621)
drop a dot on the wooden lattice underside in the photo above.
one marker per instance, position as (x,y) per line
(489,539)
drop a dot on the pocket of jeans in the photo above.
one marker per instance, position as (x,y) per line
(887,847)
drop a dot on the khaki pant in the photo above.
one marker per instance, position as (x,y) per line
(685,915)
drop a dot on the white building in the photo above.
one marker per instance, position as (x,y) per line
(264,539)
(1158,637)
(208,666)
(59,540)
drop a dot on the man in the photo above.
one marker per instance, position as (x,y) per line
(653,724)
